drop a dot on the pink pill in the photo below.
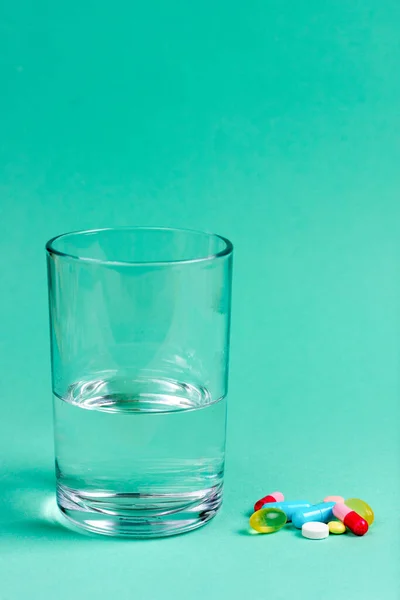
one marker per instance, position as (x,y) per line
(273,497)
(350,518)
(334,499)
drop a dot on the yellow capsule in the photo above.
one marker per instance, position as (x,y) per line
(268,520)
(361,508)
(336,527)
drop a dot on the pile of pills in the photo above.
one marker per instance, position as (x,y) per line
(316,521)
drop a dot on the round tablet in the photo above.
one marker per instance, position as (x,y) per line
(334,499)
(336,527)
(268,520)
(361,508)
(314,530)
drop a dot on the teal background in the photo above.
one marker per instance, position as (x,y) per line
(276,124)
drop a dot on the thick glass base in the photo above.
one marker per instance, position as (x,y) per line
(132,515)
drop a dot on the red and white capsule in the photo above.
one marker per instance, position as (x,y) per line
(350,518)
(273,497)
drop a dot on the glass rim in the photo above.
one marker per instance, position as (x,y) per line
(226,251)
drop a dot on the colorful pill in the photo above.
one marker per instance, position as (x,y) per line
(274,497)
(268,520)
(350,518)
(361,508)
(319,512)
(314,530)
(334,499)
(289,507)
(336,527)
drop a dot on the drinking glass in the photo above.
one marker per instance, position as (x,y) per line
(139,325)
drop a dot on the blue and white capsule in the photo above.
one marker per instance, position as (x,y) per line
(289,507)
(318,512)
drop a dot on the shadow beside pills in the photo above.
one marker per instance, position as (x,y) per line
(290,530)
(286,529)
(248,531)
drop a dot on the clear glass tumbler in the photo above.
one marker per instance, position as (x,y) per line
(139,321)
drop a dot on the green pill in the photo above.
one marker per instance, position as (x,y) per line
(268,520)
(361,508)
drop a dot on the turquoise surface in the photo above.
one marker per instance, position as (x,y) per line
(278,125)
